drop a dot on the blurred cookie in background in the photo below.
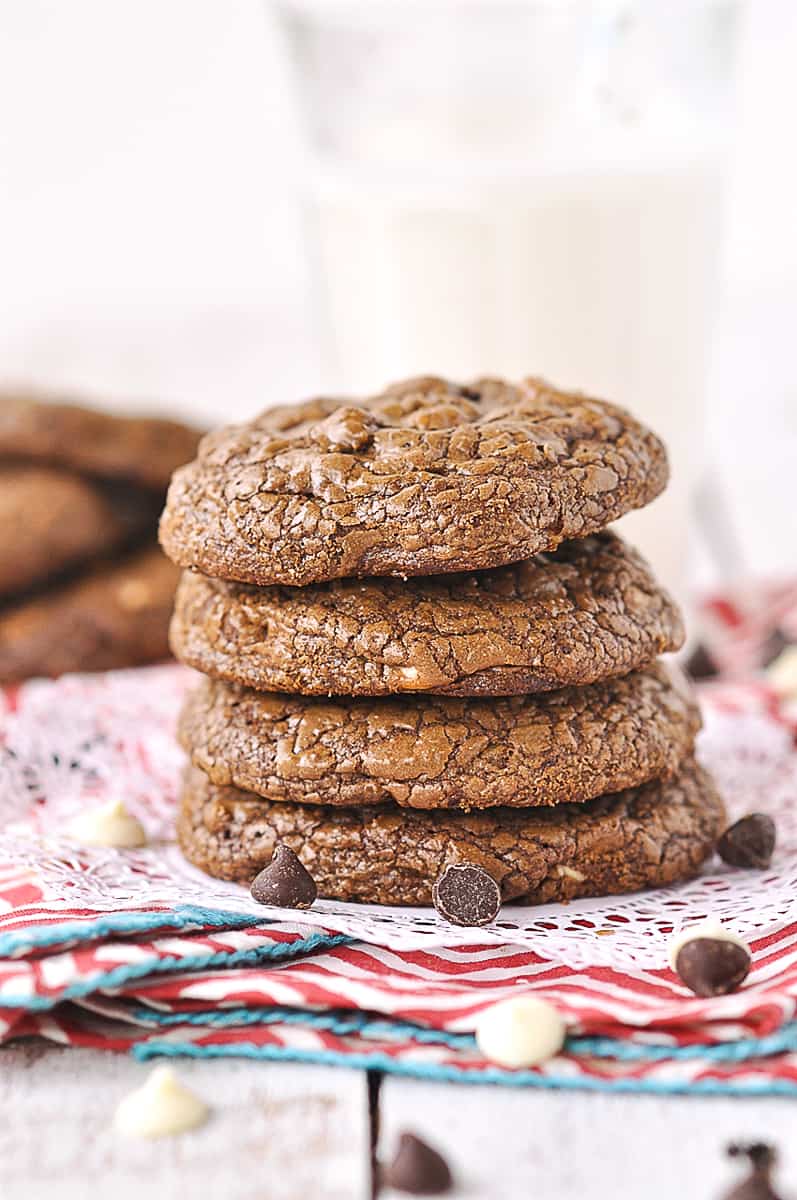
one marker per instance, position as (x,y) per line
(116,615)
(143,450)
(52,520)
(83,586)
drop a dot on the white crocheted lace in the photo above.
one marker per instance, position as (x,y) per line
(87,739)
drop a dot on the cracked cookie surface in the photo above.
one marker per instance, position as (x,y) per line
(646,837)
(442,751)
(116,615)
(428,477)
(589,610)
(51,520)
(143,450)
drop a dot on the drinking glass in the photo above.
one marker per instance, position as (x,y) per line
(521,187)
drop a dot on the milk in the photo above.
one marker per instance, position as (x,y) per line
(598,279)
(524,188)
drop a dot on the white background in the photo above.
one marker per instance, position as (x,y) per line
(150,246)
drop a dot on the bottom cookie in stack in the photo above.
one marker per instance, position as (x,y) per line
(650,836)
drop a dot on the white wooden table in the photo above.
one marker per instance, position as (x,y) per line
(283,1132)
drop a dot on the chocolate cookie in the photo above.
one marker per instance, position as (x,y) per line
(116,616)
(438,751)
(143,450)
(51,520)
(648,837)
(587,611)
(428,477)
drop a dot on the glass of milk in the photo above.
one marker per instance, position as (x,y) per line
(521,187)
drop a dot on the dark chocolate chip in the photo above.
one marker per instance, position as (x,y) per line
(466,895)
(712,966)
(762,1156)
(417,1169)
(700,664)
(757,1185)
(284,882)
(774,646)
(749,842)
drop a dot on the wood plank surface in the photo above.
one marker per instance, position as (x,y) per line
(277,1131)
(512,1144)
(285,1132)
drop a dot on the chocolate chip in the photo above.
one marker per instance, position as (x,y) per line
(762,1156)
(713,966)
(757,1185)
(466,895)
(774,646)
(284,882)
(749,842)
(417,1168)
(700,664)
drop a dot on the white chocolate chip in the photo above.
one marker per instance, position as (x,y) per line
(409,673)
(162,1107)
(520,1032)
(570,873)
(782,673)
(709,929)
(109,825)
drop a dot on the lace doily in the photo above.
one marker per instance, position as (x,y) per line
(87,739)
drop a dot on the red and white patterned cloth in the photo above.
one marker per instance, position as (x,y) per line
(132,951)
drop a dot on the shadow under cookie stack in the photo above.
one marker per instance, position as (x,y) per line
(431,673)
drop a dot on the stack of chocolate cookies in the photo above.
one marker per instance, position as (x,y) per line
(430,671)
(83,585)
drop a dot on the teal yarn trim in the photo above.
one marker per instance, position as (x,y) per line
(345,1023)
(342,1023)
(475,1075)
(781,1042)
(67,933)
(160,966)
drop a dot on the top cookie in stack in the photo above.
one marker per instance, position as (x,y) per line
(83,585)
(488,502)
(428,477)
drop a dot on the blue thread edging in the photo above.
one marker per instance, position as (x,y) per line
(340,1022)
(780,1042)
(183,916)
(345,1024)
(119,976)
(490,1075)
